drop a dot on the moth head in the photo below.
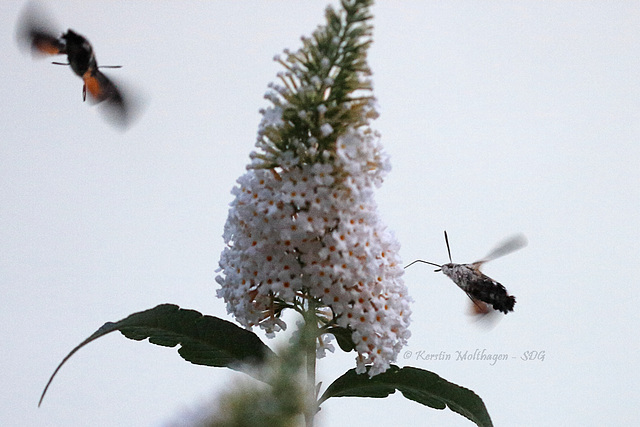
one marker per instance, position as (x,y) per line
(447,269)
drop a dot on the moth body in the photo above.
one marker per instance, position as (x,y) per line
(479,286)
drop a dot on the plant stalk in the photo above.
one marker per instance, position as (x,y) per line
(310,336)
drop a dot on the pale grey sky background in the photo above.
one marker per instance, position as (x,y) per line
(500,117)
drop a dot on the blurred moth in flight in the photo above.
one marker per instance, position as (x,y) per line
(34,30)
(484,292)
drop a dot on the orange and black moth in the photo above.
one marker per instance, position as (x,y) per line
(82,61)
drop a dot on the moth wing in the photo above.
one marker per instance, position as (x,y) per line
(479,308)
(486,318)
(45,43)
(101,88)
(36,32)
(503,248)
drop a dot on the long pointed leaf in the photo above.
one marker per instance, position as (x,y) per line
(203,340)
(416,384)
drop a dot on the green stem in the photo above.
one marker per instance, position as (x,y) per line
(310,334)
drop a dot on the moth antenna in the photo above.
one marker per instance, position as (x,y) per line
(424,262)
(446,239)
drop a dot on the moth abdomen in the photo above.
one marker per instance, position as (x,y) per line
(487,290)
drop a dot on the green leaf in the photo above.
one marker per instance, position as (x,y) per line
(416,384)
(203,340)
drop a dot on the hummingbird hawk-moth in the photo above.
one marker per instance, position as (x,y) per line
(36,32)
(485,293)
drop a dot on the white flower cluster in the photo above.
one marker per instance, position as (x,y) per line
(315,227)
